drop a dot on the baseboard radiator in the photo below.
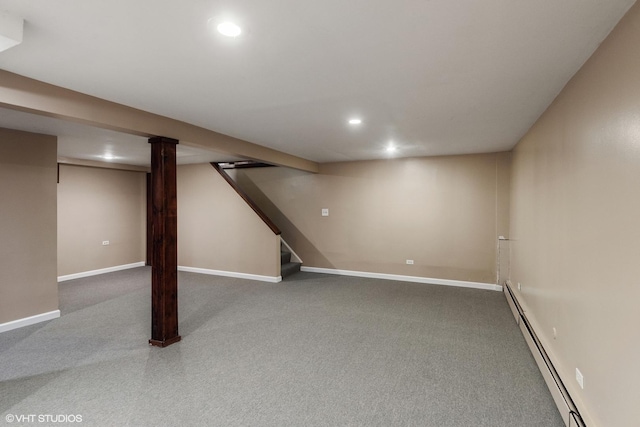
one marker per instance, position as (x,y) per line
(561,396)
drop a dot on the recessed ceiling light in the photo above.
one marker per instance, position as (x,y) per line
(391,149)
(229,29)
(355,121)
(108,157)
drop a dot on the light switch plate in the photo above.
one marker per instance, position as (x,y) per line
(325,212)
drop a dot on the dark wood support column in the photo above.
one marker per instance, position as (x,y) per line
(164,231)
(149,220)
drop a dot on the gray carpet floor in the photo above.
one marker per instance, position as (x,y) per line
(314,350)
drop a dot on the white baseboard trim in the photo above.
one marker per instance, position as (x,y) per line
(270,279)
(31,320)
(401,278)
(100,271)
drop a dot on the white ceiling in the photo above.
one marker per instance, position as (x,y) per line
(434,76)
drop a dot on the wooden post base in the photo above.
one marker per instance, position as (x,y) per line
(166,343)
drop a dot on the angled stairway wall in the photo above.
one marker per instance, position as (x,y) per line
(218,232)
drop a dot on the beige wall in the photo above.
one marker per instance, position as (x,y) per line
(28,284)
(94,205)
(217,230)
(575,227)
(445,213)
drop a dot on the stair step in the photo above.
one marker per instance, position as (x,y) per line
(285,257)
(289,268)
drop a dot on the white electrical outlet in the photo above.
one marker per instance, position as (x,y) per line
(410,262)
(519,286)
(580,378)
(105,243)
(555,333)
(325,212)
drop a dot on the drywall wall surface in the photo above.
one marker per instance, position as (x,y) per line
(28,284)
(217,230)
(574,228)
(441,212)
(98,205)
